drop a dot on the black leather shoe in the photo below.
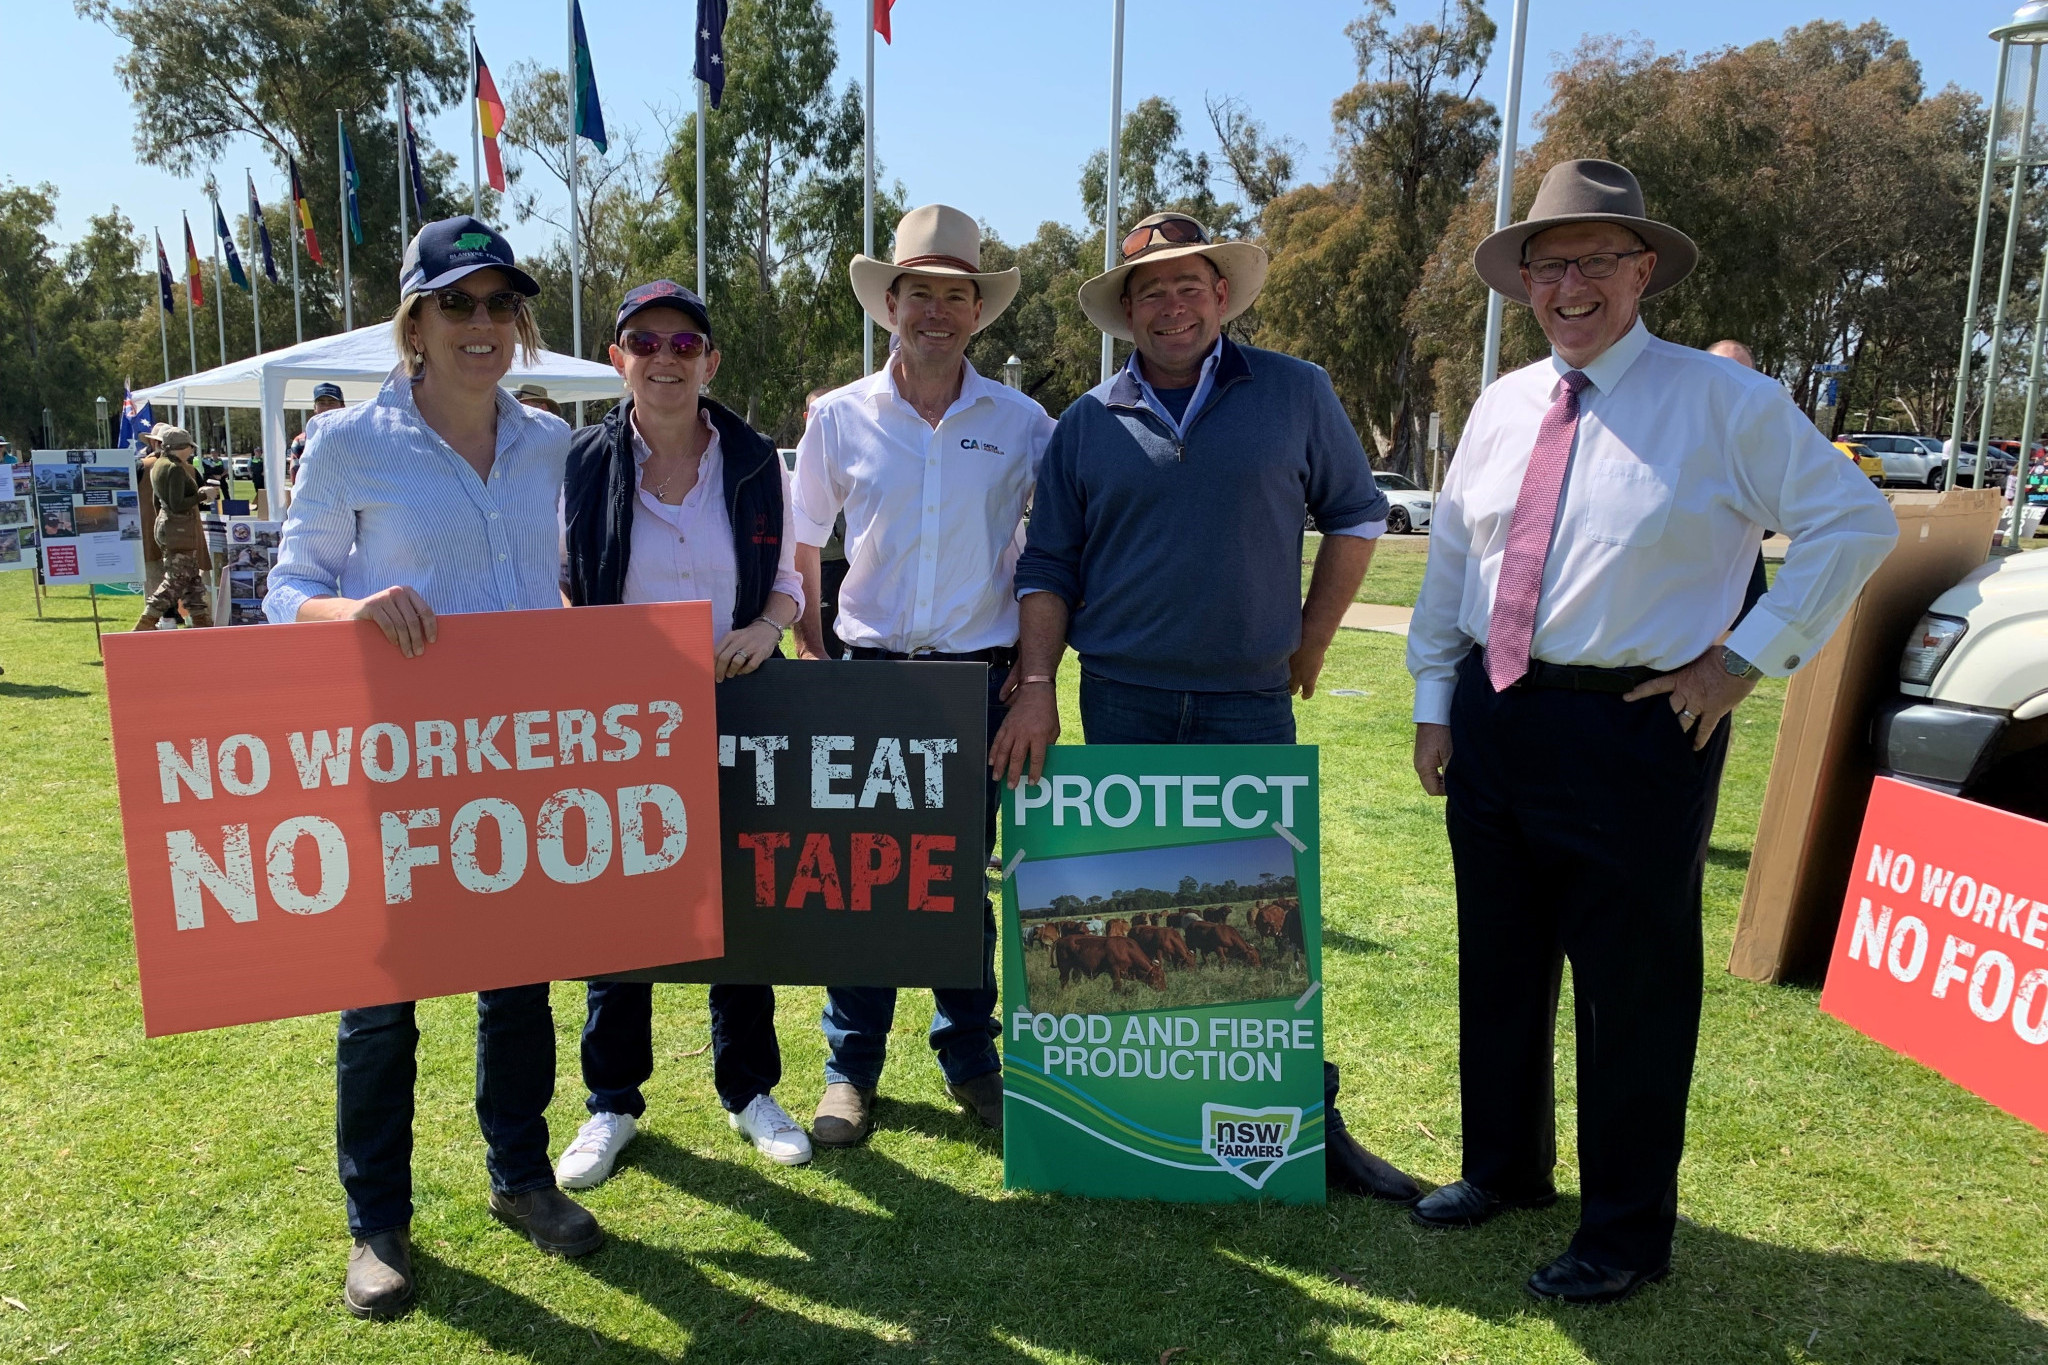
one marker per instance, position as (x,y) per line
(981,1096)
(379,1284)
(1570,1279)
(556,1223)
(1464,1205)
(1348,1166)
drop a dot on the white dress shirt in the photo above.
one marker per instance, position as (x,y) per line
(934,515)
(683,552)
(1679,462)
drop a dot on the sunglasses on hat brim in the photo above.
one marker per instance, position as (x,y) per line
(1167,231)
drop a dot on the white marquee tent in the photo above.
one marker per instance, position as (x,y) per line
(359,362)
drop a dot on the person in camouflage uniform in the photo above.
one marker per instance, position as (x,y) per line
(175,486)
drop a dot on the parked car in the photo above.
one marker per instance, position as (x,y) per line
(1972,716)
(1871,465)
(1908,460)
(1410,505)
(1996,467)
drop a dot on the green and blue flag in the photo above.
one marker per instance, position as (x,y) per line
(589,114)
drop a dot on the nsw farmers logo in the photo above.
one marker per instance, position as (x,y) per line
(1249,1143)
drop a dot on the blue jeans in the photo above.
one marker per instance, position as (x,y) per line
(1125,713)
(374,1070)
(618,1045)
(857,1019)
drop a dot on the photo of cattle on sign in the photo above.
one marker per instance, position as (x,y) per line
(1229,930)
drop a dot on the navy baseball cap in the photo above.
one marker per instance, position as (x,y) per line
(443,252)
(325,390)
(661,294)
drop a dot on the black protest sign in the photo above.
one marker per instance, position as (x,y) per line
(851,802)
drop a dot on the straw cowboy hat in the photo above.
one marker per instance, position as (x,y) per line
(1585,191)
(1162,237)
(939,242)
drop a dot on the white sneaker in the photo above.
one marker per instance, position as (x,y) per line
(774,1133)
(591,1156)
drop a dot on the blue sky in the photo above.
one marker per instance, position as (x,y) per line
(1098,874)
(991,107)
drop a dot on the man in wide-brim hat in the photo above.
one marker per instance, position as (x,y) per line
(1574,665)
(1165,539)
(931,464)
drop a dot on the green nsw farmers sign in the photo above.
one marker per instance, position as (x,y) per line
(1162,972)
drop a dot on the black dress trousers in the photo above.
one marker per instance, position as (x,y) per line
(1578,827)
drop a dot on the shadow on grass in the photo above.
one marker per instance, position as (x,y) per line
(509,1322)
(1342,942)
(38,691)
(1734,859)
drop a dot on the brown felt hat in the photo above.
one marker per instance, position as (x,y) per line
(1585,191)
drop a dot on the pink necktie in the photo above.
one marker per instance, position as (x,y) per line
(1521,568)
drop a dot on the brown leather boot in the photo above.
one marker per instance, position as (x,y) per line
(981,1096)
(380,1284)
(556,1223)
(845,1116)
(148,621)
(201,616)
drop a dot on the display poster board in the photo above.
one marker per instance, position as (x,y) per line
(1162,972)
(534,797)
(250,551)
(17,517)
(88,512)
(852,798)
(1942,950)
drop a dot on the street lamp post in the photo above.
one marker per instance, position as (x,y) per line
(1013,373)
(100,407)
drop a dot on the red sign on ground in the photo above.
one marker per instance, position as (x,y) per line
(315,822)
(1942,952)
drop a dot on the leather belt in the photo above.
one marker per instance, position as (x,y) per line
(997,656)
(1576,677)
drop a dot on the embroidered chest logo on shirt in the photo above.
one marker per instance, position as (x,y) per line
(969,443)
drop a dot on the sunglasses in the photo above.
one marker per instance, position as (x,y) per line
(1176,231)
(459,305)
(686,345)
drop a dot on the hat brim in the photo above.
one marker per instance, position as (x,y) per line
(872,278)
(1243,264)
(521,281)
(1498,259)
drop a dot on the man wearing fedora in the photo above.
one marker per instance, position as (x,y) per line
(932,465)
(1166,536)
(1590,549)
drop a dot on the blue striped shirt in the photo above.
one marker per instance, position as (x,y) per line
(382,500)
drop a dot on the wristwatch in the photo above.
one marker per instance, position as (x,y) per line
(1739,667)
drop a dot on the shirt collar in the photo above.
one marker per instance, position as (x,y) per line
(641,450)
(1209,362)
(512,417)
(1606,369)
(973,386)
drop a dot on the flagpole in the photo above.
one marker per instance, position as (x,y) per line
(703,91)
(867,193)
(220,312)
(476,136)
(298,300)
(1504,189)
(575,216)
(1116,129)
(163,330)
(255,262)
(404,169)
(191,325)
(348,290)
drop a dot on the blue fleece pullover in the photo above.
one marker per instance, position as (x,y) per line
(1181,559)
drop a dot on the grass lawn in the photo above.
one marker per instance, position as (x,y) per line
(1396,573)
(175,1201)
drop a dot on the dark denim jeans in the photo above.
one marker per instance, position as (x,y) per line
(857,1019)
(374,1070)
(618,1045)
(1125,713)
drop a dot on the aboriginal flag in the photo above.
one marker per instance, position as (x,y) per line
(303,207)
(490,118)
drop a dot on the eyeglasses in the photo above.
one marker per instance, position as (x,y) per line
(1177,231)
(459,305)
(1597,266)
(686,345)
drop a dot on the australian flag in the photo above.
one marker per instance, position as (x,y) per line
(268,261)
(135,420)
(710,65)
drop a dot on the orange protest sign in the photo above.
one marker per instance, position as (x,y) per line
(1942,952)
(315,822)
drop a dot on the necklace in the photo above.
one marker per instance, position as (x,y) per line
(661,489)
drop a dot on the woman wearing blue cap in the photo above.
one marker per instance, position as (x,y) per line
(439,495)
(673,497)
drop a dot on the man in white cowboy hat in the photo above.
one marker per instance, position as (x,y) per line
(932,465)
(1166,538)
(1589,552)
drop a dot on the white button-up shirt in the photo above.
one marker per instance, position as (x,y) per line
(934,515)
(683,552)
(1679,462)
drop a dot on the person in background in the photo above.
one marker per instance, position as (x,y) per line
(1573,669)
(674,498)
(536,396)
(326,398)
(179,537)
(816,638)
(1195,443)
(932,465)
(437,496)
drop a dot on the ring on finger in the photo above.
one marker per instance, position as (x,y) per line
(1688,716)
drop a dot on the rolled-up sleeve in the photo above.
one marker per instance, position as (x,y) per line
(815,494)
(1436,644)
(788,581)
(1051,561)
(319,532)
(1840,527)
(1342,492)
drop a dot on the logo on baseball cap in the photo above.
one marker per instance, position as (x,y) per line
(441,253)
(661,294)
